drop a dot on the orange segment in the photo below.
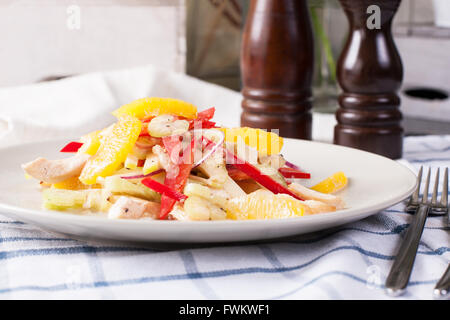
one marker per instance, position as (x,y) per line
(266,143)
(91,143)
(114,148)
(332,184)
(263,204)
(70,184)
(147,107)
(73,184)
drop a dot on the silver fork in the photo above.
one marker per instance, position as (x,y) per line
(437,208)
(398,277)
(413,202)
(440,208)
(442,288)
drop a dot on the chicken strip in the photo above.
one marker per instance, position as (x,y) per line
(164,158)
(308,194)
(54,171)
(314,206)
(214,168)
(133,208)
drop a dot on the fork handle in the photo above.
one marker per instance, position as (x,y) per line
(442,289)
(398,277)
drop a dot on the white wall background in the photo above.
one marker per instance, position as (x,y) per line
(38,38)
(424,49)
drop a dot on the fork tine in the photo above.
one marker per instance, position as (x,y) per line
(435,189)
(444,196)
(425,190)
(415,196)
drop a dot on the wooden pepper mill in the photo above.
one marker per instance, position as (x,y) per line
(277,61)
(370,73)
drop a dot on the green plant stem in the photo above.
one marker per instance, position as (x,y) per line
(325,43)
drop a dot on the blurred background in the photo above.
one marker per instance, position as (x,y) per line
(49,39)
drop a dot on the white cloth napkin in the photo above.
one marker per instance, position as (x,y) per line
(349,262)
(74,106)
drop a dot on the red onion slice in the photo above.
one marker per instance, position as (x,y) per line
(292,166)
(141,176)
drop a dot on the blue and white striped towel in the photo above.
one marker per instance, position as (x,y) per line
(349,262)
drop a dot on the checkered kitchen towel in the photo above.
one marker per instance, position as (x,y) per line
(348,262)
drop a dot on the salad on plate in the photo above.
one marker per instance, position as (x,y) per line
(164,160)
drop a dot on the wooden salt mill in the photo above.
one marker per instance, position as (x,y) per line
(277,61)
(370,73)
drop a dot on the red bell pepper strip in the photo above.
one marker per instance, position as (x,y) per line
(72,147)
(201,124)
(236,174)
(140,163)
(256,175)
(144,131)
(177,177)
(164,190)
(147,120)
(207,114)
(203,120)
(173,146)
(293,173)
(208,125)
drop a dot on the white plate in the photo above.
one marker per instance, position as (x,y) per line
(375,183)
